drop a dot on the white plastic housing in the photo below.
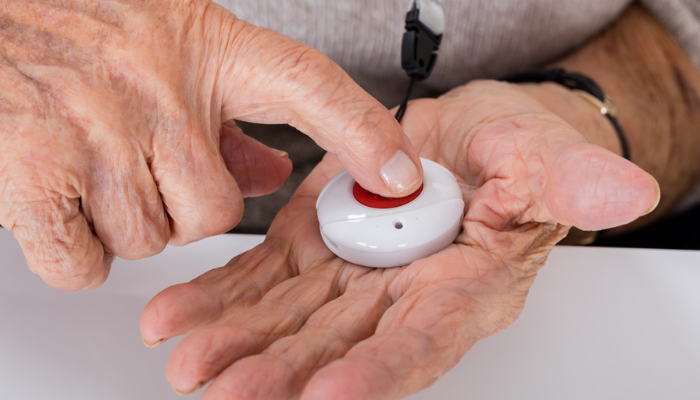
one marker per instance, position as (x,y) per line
(371,237)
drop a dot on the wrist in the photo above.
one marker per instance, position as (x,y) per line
(655,86)
(577,111)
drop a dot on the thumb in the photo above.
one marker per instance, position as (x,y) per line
(258,169)
(593,189)
(268,78)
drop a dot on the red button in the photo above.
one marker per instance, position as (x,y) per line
(372,200)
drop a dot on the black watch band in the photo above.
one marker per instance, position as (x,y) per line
(581,83)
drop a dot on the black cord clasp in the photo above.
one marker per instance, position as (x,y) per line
(419,47)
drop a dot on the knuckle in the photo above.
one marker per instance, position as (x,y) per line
(42,216)
(200,224)
(62,256)
(147,247)
(140,246)
(57,245)
(129,228)
(301,62)
(69,268)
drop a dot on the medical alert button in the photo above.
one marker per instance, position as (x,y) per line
(375,231)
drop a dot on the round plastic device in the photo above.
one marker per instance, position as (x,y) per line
(379,232)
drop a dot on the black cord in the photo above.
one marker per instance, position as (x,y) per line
(402,108)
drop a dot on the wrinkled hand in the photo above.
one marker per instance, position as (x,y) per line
(289,319)
(111,127)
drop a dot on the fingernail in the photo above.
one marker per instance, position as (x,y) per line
(190,392)
(400,173)
(156,344)
(658,198)
(281,153)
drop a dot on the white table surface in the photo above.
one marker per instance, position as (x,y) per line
(599,324)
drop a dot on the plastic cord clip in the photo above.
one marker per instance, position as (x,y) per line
(425,23)
(420,42)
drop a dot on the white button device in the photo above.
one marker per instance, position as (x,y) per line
(374,231)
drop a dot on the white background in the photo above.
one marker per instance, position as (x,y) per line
(599,324)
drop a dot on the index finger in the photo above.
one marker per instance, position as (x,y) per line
(268,78)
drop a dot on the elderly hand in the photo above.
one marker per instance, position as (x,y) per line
(288,319)
(111,127)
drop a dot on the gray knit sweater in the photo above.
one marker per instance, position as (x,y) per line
(484,39)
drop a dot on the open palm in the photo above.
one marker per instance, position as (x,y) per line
(289,319)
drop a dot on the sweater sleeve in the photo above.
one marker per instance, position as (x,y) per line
(682,19)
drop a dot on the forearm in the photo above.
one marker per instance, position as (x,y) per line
(657,91)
